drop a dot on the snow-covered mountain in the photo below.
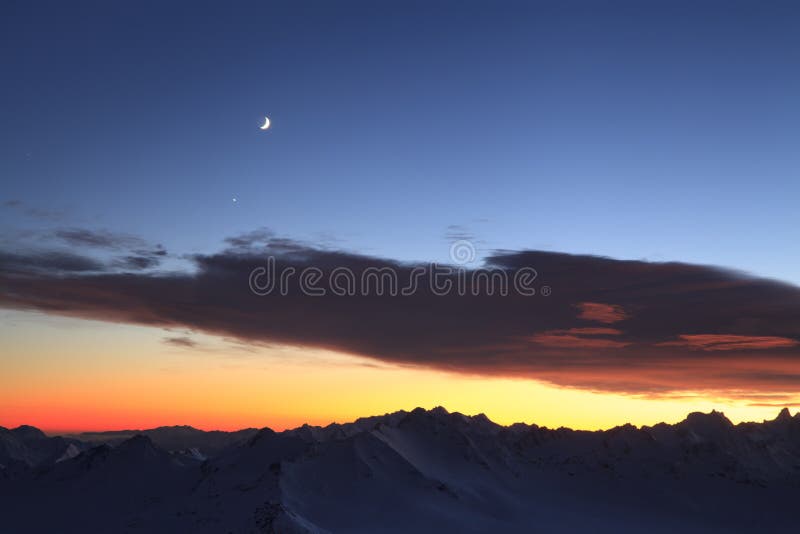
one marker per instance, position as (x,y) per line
(418,471)
(25,446)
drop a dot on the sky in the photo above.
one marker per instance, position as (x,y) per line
(134,173)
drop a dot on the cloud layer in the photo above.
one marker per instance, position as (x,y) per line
(623,326)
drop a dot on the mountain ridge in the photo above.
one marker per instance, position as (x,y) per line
(783,413)
(425,471)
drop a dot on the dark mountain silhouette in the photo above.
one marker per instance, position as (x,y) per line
(418,471)
(172,438)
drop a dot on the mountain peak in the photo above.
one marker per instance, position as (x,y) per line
(265,432)
(713,421)
(139,445)
(784,415)
(437,411)
(26,433)
(174,427)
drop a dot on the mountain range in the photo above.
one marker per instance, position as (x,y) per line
(418,471)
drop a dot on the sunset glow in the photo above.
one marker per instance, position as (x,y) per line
(79,376)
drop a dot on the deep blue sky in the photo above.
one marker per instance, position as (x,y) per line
(660,130)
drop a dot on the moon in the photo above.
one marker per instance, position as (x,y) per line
(266,123)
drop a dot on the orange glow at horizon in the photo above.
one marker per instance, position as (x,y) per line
(70,375)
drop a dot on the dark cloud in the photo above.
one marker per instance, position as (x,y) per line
(50,263)
(625,326)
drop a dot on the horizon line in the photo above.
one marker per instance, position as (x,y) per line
(63,432)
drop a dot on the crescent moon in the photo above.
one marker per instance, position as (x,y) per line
(266,123)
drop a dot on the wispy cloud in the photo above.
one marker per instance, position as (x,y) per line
(181,341)
(712,342)
(75,250)
(34,212)
(602,313)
